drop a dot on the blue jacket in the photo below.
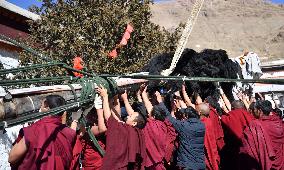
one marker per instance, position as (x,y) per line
(191,134)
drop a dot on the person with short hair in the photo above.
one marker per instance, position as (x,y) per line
(46,144)
(125,142)
(263,141)
(212,158)
(234,124)
(191,132)
(159,134)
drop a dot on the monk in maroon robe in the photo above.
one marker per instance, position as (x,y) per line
(84,149)
(234,124)
(212,158)
(125,146)
(159,139)
(46,144)
(217,126)
(263,142)
(125,142)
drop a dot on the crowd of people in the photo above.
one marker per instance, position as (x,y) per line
(155,131)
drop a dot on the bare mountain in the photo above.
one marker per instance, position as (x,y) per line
(232,25)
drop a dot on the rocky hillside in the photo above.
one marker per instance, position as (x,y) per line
(233,25)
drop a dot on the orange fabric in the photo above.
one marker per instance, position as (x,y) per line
(129,28)
(113,54)
(123,42)
(77,61)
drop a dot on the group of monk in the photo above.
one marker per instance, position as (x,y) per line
(155,132)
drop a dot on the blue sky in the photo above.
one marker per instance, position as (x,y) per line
(27,3)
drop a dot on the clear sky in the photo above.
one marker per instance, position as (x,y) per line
(26,3)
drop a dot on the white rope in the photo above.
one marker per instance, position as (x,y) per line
(32,102)
(184,37)
(5,124)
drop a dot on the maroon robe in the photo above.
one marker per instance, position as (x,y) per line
(91,158)
(158,138)
(77,149)
(171,140)
(236,121)
(234,124)
(49,145)
(125,146)
(217,126)
(212,158)
(263,144)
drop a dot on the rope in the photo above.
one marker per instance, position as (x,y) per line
(32,102)
(41,56)
(92,136)
(35,66)
(73,91)
(88,91)
(198,79)
(30,117)
(34,80)
(184,37)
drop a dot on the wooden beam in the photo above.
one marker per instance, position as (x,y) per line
(28,100)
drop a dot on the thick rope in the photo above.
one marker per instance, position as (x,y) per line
(184,37)
(34,116)
(88,91)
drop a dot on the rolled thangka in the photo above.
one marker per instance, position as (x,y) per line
(28,100)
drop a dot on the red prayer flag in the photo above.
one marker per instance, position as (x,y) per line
(123,41)
(125,38)
(113,54)
(129,28)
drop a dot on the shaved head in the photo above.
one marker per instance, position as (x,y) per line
(237,104)
(203,109)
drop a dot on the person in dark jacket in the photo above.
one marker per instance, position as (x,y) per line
(191,132)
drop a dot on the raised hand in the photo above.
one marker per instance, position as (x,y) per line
(124,95)
(158,97)
(102,91)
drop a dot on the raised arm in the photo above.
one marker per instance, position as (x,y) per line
(146,101)
(225,99)
(139,93)
(100,127)
(179,99)
(242,97)
(161,103)
(198,99)
(128,107)
(186,97)
(103,93)
(223,105)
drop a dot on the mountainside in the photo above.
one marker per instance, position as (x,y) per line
(232,25)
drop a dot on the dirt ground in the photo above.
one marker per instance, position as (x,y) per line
(232,25)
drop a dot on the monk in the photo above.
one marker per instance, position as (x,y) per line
(212,158)
(125,142)
(159,134)
(263,141)
(46,144)
(91,158)
(217,125)
(234,124)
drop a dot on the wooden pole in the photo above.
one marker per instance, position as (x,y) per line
(27,100)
